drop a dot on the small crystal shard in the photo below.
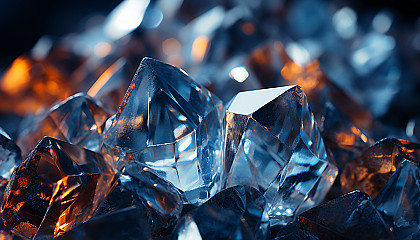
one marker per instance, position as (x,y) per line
(239,212)
(273,144)
(398,201)
(370,170)
(55,188)
(173,126)
(352,216)
(139,186)
(122,224)
(78,120)
(10,155)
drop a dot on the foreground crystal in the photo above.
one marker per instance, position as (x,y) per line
(78,120)
(10,155)
(173,126)
(352,216)
(55,188)
(273,144)
(294,231)
(239,212)
(398,201)
(370,170)
(159,201)
(122,224)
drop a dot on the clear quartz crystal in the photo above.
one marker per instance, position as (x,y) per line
(273,144)
(172,125)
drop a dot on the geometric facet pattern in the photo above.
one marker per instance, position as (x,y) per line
(56,187)
(351,216)
(398,201)
(273,144)
(172,125)
(78,120)
(370,170)
(10,155)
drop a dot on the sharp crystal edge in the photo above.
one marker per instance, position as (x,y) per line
(273,144)
(174,126)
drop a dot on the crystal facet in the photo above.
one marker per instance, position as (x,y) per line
(398,201)
(55,188)
(239,212)
(10,155)
(78,120)
(273,144)
(370,170)
(159,200)
(352,216)
(172,125)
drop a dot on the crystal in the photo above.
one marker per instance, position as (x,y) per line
(121,224)
(158,199)
(79,120)
(351,216)
(369,171)
(342,137)
(31,86)
(172,125)
(239,212)
(56,187)
(110,87)
(398,201)
(273,144)
(10,155)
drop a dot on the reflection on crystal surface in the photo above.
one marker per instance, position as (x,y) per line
(78,120)
(239,212)
(273,144)
(173,126)
(122,224)
(57,187)
(370,170)
(10,155)
(398,201)
(352,216)
(294,231)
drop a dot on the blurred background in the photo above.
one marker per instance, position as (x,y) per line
(370,49)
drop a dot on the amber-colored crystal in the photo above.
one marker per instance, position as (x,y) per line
(370,170)
(57,187)
(31,85)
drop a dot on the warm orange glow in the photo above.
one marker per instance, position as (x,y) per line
(248,28)
(105,77)
(171,46)
(16,77)
(176,60)
(102,49)
(199,48)
(308,76)
(345,139)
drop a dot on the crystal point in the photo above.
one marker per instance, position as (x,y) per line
(351,216)
(398,201)
(56,187)
(174,126)
(273,144)
(370,170)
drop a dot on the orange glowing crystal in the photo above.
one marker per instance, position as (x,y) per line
(31,85)
(57,187)
(370,170)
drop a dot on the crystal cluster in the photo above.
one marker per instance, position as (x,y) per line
(268,135)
